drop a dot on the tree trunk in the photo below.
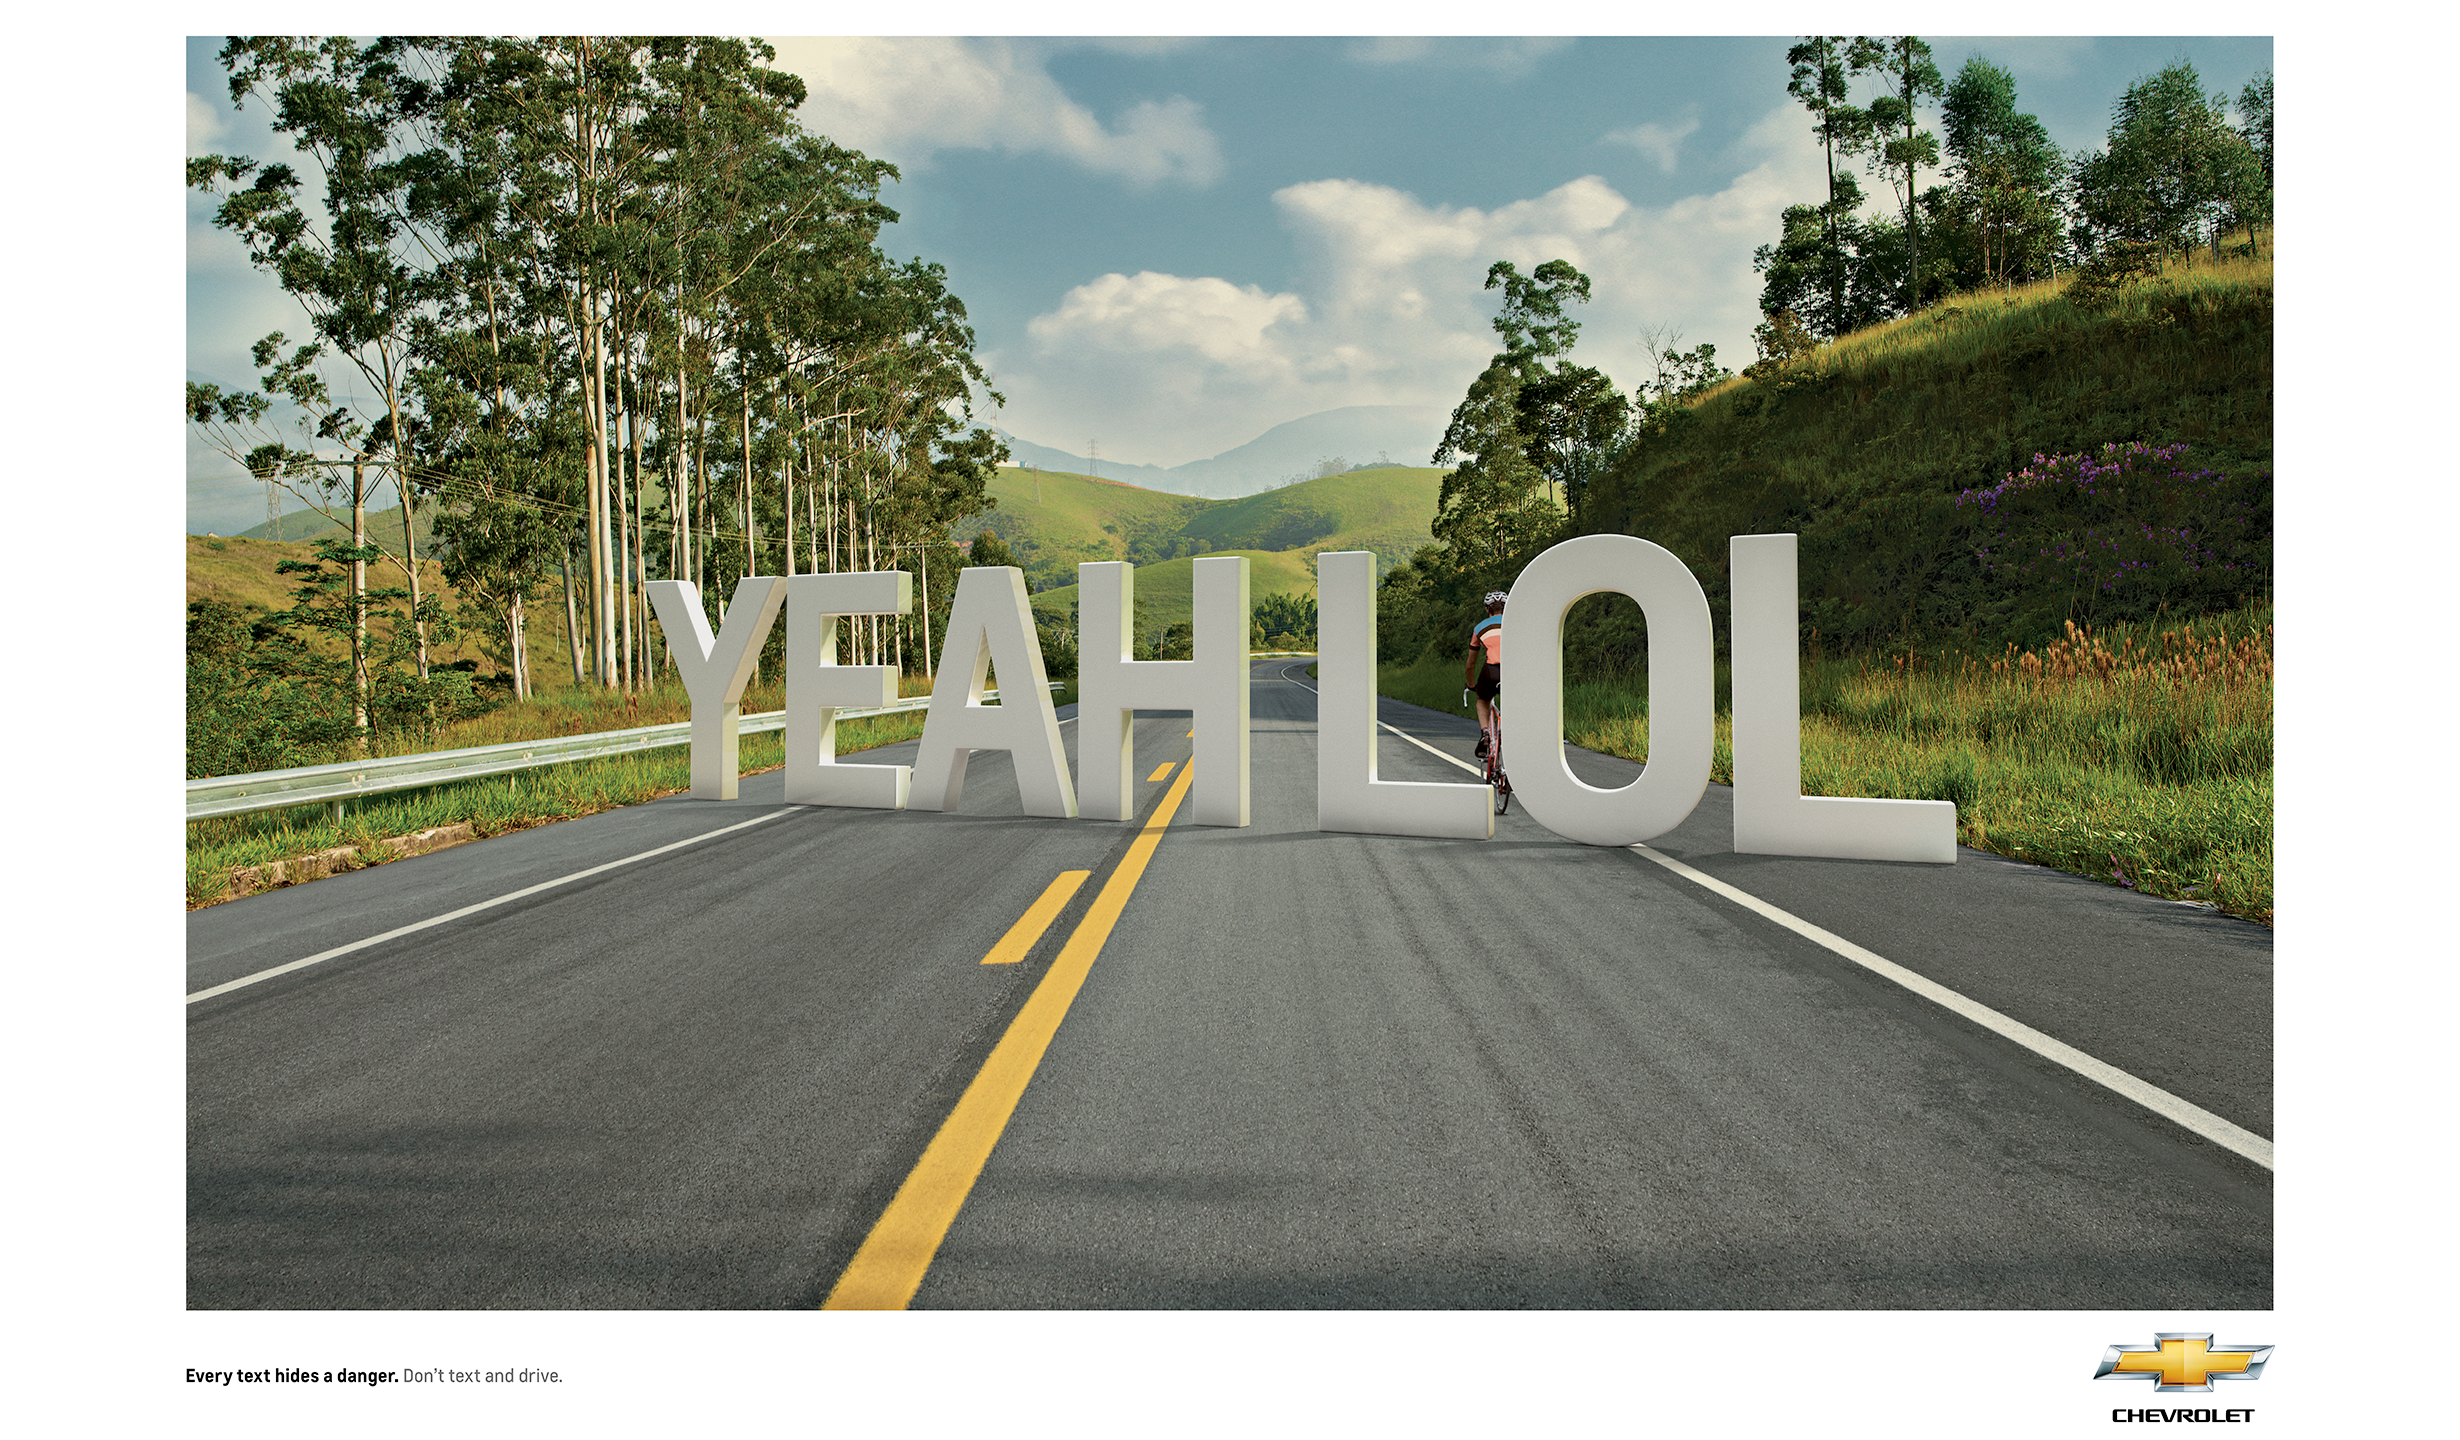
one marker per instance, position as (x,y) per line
(359,686)
(572,616)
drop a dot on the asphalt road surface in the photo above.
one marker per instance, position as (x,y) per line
(1303,1069)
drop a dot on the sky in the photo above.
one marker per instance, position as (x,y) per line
(1168,246)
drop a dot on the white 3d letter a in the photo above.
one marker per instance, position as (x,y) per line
(990,624)
(1771,814)
(716,668)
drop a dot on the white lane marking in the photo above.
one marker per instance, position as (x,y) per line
(2152,1097)
(1404,734)
(246,980)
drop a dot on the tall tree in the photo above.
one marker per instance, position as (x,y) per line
(638,319)
(365,272)
(1900,147)
(1527,427)
(2174,173)
(2255,111)
(2007,173)
(1823,67)
(1563,414)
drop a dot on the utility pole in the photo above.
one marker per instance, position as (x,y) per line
(1093,457)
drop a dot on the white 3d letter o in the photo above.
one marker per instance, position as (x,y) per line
(1682,690)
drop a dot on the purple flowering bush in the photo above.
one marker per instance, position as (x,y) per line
(2122,533)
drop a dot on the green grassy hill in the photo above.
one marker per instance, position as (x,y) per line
(239,571)
(1053,521)
(383,526)
(1863,447)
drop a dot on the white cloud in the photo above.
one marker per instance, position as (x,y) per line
(906,99)
(1661,143)
(1391,309)
(204,124)
(1228,325)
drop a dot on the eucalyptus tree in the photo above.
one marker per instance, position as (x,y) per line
(367,275)
(1820,239)
(2174,172)
(1512,431)
(2255,111)
(599,278)
(1564,415)
(2007,173)
(1898,147)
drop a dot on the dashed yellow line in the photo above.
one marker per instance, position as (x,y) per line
(1158,774)
(1037,918)
(889,1267)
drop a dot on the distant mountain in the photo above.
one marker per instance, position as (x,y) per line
(1293,450)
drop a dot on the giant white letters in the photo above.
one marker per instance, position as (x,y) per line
(1682,690)
(715,669)
(1771,814)
(1347,794)
(1111,688)
(990,623)
(817,687)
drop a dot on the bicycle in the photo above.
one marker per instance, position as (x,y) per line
(1496,778)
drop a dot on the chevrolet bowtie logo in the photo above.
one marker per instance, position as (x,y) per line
(2183,1360)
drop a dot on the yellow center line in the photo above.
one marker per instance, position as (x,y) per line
(889,1267)
(1158,774)
(1037,918)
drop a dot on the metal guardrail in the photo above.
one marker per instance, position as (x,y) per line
(358,779)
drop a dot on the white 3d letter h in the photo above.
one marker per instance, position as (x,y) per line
(1111,688)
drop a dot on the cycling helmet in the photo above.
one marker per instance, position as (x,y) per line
(1495,597)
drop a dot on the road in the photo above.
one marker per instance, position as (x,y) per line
(1302,1070)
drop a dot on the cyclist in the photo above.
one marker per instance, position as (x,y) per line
(1485,642)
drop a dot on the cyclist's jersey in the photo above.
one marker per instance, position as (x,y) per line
(1489,635)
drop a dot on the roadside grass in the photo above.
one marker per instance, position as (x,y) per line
(2141,757)
(500,804)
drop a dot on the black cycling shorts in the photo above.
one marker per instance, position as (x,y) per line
(1490,680)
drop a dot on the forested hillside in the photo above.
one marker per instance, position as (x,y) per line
(2028,390)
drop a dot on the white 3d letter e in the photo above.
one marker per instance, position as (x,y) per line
(817,687)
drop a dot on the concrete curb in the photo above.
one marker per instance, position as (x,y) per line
(249,879)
